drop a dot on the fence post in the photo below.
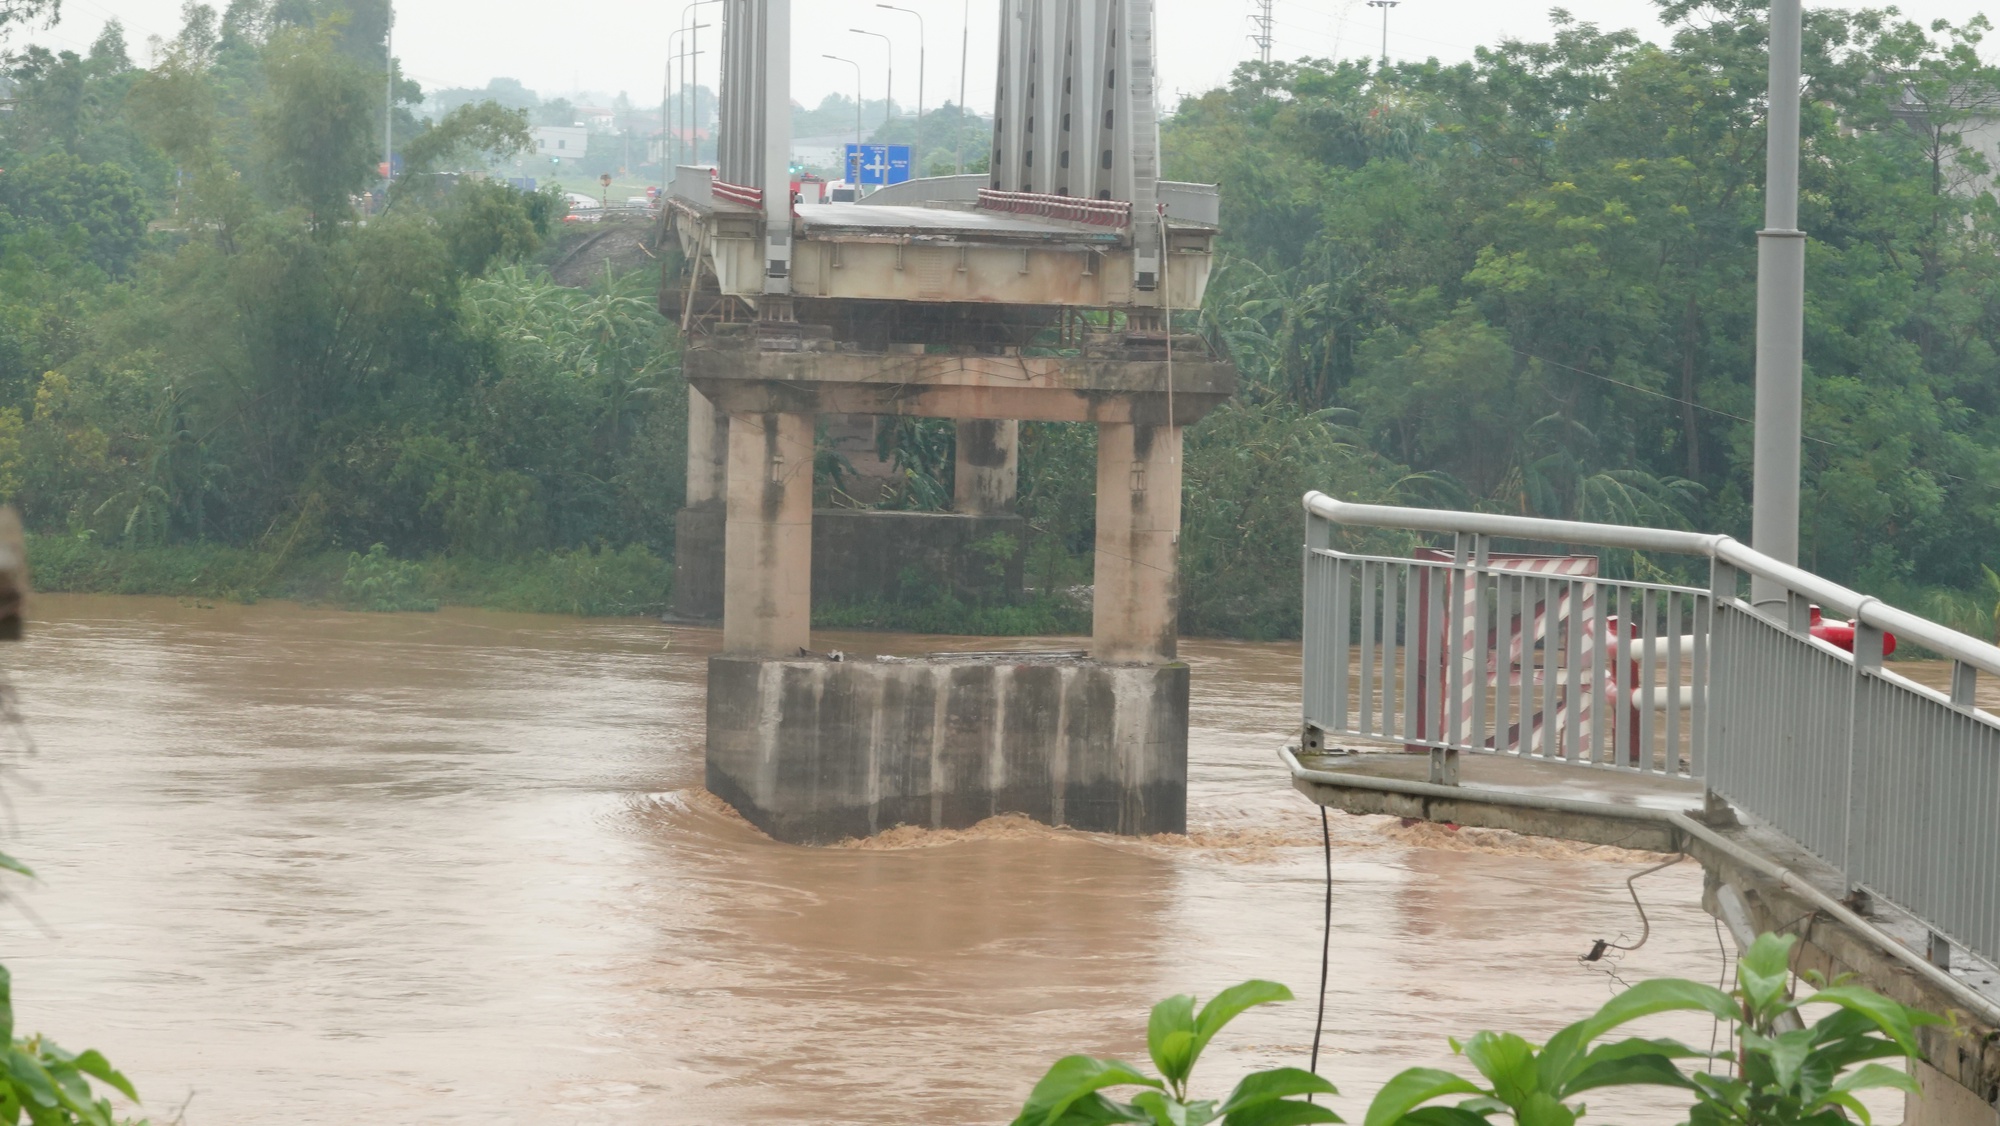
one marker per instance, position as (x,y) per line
(1867,660)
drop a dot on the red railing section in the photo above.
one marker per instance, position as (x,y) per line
(738,194)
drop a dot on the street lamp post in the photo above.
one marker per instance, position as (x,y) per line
(686,58)
(964,54)
(692,56)
(1781,299)
(889,88)
(856,180)
(920,74)
(1385,5)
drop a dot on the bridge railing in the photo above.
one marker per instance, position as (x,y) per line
(1467,650)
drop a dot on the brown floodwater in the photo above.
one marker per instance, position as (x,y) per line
(307,866)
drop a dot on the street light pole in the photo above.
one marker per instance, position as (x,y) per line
(388,101)
(1781,299)
(692,56)
(964,54)
(856,180)
(1385,5)
(684,56)
(889,90)
(920,75)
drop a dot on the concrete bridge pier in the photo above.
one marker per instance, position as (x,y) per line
(813,748)
(1136,574)
(767,586)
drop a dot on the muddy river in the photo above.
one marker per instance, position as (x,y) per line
(308,866)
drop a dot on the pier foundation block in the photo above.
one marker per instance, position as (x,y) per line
(813,751)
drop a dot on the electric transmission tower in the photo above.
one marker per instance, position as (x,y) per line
(1262,19)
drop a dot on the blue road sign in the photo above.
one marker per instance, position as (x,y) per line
(878,164)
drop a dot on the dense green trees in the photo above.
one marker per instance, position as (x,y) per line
(271,367)
(1531,276)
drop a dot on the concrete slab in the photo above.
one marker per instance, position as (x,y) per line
(943,224)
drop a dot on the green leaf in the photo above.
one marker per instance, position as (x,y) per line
(1281,1112)
(30,1077)
(1227,1006)
(1508,1063)
(1164,1110)
(93,1064)
(1764,970)
(1071,1079)
(1566,1050)
(1877,1075)
(1278,1083)
(1445,1116)
(1170,1037)
(1542,1109)
(10,864)
(6,1006)
(1655,1070)
(1412,1088)
(1896,1020)
(1095,1110)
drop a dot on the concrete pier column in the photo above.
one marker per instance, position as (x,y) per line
(767,579)
(1136,600)
(698,527)
(987,470)
(708,451)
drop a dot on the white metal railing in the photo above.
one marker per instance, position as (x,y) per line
(1896,784)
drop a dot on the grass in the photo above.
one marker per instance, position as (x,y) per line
(610,582)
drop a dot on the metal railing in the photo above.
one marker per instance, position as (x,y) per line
(1467,650)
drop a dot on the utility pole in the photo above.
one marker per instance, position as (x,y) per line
(1385,5)
(1781,301)
(1263,37)
(919,146)
(388,101)
(889,90)
(855,180)
(964,54)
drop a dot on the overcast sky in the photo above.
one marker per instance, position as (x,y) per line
(557,49)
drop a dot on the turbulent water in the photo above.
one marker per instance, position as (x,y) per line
(308,866)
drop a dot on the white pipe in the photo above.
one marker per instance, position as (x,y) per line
(1978,1004)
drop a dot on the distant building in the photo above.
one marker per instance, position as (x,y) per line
(561,142)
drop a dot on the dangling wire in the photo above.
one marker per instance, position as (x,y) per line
(1326,938)
(1645,925)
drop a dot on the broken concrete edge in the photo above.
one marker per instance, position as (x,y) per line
(815,751)
(1783,893)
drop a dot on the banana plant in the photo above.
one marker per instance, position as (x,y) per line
(1073,1091)
(1794,1078)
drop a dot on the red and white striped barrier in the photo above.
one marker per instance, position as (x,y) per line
(740,195)
(1074,209)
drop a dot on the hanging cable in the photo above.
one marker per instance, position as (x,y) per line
(1645,925)
(1325,939)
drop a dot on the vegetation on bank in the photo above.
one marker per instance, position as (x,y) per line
(606,581)
(1522,283)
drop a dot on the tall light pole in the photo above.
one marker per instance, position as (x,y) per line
(1385,5)
(920,75)
(1781,301)
(856,181)
(388,101)
(889,90)
(694,54)
(685,56)
(964,54)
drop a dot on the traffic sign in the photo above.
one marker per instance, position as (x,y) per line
(877,164)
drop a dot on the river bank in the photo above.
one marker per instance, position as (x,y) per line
(607,583)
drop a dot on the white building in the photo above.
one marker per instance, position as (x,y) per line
(561,142)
